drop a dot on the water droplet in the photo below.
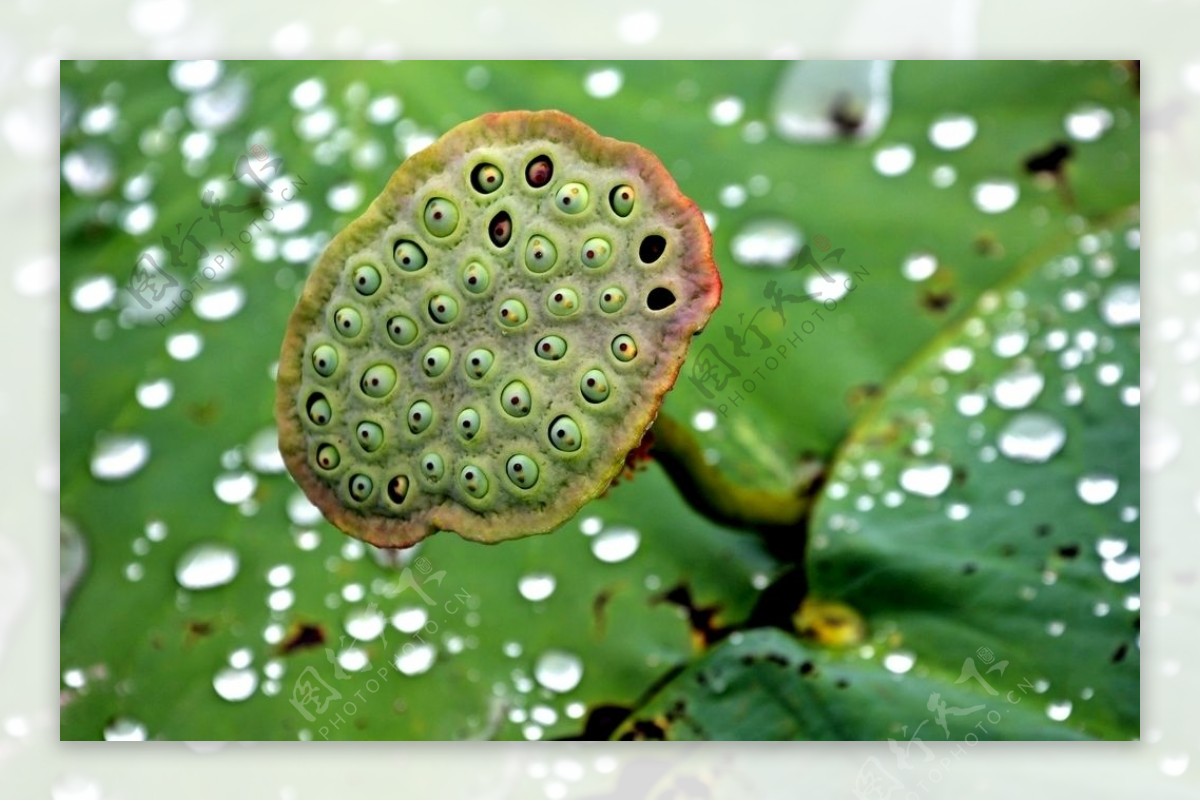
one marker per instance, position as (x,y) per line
(591,526)
(732,196)
(894,160)
(512,649)
(206,566)
(833,288)
(953,131)
(919,266)
(193,76)
(281,600)
(726,110)
(558,671)
(344,197)
(928,480)
(410,619)
(820,101)
(971,404)
(616,545)
(1055,628)
(155,394)
(532,732)
(233,488)
(384,110)
(307,94)
(235,684)
(365,625)
(119,456)
(185,347)
(1018,388)
(89,171)
(536,586)
(767,243)
(93,294)
(1088,123)
(994,197)
(1122,305)
(958,359)
(1059,710)
(125,729)
(943,176)
(301,511)
(219,107)
(280,575)
(1032,437)
(1010,343)
(1110,547)
(1123,568)
(603,83)
(1097,488)
(899,661)
(415,658)
(220,303)
(704,420)
(139,219)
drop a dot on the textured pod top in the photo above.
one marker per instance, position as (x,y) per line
(480,350)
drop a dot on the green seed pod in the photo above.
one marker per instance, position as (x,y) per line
(563,302)
(443,309)
(551,348)
(397,489)
(369,436)
(473,480)
(572,198)
(468,423)
(595,252)
(360,486)
(487,178)
(594,386)
(378,380)
(328,457)
(624,348)
(402,330)
(515,399)
(478,362)
(420,416)
(319,410)
(522,471)
(512,313)
(435,361)
(476,278)
(622,199)
(366,280)
(325,360)
(540,254)
(612,299)
(565,435)
(441,217)
(433,466)
(348,322)
(409,256)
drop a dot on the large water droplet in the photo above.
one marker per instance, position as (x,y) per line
(1122,305)
(616,545)
(1018,388)
(233,488)
(819,101)
(220,303)
(536,586)
(89,171)
(929,480)
(994,197)
(767,243)
(410,620)
(365,625)
(206,566)
(953,131)
(93,294)
(558,671)
(125,728)
(1032,437)
(1097,488)
(235,684)
(119,456)
(415,658)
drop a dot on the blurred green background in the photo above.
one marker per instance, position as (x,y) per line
(969,375)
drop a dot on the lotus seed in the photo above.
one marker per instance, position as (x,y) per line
(475,278)
(594,386)
(515,399)
(369,436)
(379,380)
(621,199)
(474,481)
(433,466)
(420,416)
(539,172)
(435,361)
(478,362)
(443,309)
(409,256)
(468,423)
(441,217)
(565,434)
(486,178)
(562,302)
(325,360)
(612,299)
(500,229)
(360,487)
(328,457)
(540,254)
(319,410)
(551,348)
(402,330)
(624,348)
(366,280)
(512,313)
(348,322)
(522,471)
(572,198)
(652,248)
(397,489)
(595,252)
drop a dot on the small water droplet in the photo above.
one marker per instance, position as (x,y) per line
(1018,388)
(919,266)
(93,294)
(1032,437)
(344,197)
(206,566)
(927,480)
(365,625)
(616,545)
(307,94)
(193,76)
(185,346)
(353,659)
(994,197)
(155,394)
(125,729)
(1122,305)
(704,420)
(235,684)
(219,303)
(1088,123)
(280,575)
(971,404)
(536,586)
(415,658)
(89,171)
(1059,710)
(899,661)
(732,195)
(767,243)
(943,176)
(410,619)
(958,359)
(1097,488)
(219,107)
(119,456)
(894,160)
(281,600)
(603,83)
(558,671)
(1010,343)
(263,451)
(953,131)
(1123,568)
(233,488)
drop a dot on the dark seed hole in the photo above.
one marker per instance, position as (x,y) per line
(500,229)
(651,248)
(394,492)
(660,298)
(539,171)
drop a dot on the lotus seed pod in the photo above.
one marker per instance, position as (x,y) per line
(481,349)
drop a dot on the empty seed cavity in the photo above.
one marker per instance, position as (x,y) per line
(651,249)
(539,171)
(621,199)
(473,481)
(624,348)
(660,298)
(512,313)
(378,380)
(468,423)
(594,386)
(409,256)
(443,309)
(366,280)
(369,436)
(565,434)
(562,302)
(486,178)
(328,457)
(500,229)
(397,489)
(441,217)
(612,299)
(476,278)
(325,360)
(551,348)
(572,198)
(595,252)
(515,399)
(540,254)
(319,410)
(478,362)
(435,361)
(348,322)
(402,330)
(522,471)
(420,416)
